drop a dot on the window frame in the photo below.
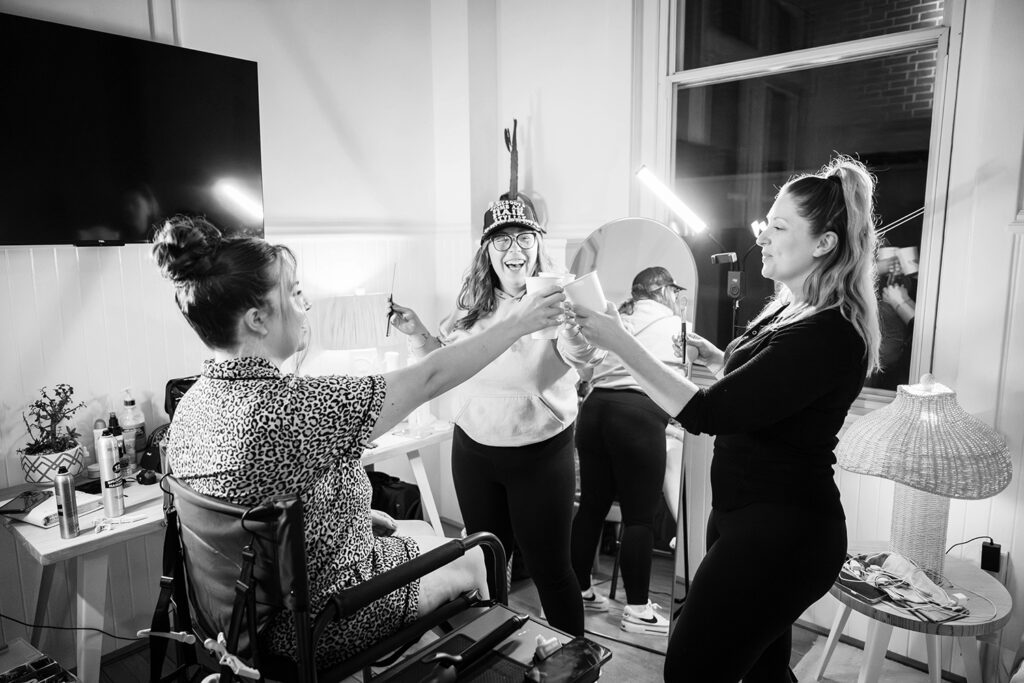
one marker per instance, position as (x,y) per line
(655,82)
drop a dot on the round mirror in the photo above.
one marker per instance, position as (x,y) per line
(621,249)
(618,251)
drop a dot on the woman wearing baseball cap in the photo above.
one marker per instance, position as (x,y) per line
(512,453)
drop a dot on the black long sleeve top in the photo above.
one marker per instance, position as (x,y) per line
(777,410)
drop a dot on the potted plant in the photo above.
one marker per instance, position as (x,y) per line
(53,443)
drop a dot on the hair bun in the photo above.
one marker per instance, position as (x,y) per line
(183,248)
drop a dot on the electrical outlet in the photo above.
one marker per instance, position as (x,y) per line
(991,557)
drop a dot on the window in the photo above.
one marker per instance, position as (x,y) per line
(713,32)
(766,89)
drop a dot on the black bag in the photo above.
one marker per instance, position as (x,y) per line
(398,498)
(174,390)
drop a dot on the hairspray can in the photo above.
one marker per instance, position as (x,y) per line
(118,433)
(111,481)
(67,506)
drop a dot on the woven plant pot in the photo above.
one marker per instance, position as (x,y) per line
(41,468)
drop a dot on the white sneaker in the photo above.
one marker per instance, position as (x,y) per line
(594,602)
(644,619)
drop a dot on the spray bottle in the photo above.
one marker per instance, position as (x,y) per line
(111,478)
(133,422)
(97,431)
(67,506)
(115,431)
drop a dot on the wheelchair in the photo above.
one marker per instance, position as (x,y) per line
(229,570)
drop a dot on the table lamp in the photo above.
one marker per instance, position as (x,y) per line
(349,332)
(934,450)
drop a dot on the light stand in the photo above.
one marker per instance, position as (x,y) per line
(734,283)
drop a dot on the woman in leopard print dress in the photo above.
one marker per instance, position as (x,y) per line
(245,431)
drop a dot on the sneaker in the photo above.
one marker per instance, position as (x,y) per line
(592,602)
(644,619)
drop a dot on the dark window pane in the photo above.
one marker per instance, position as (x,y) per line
(738,142)
(719,31)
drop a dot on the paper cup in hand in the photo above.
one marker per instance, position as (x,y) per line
(586,291)
(908,260)
(562,277)
(540,283)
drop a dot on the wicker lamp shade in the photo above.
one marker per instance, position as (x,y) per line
(934,450)
(925,440)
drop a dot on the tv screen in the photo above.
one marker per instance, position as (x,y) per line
(102,136)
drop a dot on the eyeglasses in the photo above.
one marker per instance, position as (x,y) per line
(503,241)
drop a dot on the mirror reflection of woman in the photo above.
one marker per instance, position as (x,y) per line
(621,445)
(246,431)
(776,535)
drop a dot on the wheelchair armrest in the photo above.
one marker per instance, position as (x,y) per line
(351,600)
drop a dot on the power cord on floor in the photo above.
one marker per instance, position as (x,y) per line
(67,628)
(624,642)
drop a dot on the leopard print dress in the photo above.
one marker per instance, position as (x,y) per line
(245,432)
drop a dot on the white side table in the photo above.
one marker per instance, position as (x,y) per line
(988,601)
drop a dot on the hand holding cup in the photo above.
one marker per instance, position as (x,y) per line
(540,310)
(544,282)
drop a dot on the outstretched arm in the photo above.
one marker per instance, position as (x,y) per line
(450,365)
(666,386)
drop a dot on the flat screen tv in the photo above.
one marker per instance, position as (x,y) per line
(102,137)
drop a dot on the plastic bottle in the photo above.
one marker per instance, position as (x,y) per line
(97,431)
(133,422)
(67,506)
(111,478)
(114,429)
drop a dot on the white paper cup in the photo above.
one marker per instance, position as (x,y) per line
(539,283)
(562,277)
(586,291)
(886,257)
(908,260)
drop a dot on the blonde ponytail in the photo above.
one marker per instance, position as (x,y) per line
(845,278)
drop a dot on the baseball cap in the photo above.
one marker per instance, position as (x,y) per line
(513,208)
(654,278)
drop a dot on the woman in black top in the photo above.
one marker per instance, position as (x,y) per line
(776,535)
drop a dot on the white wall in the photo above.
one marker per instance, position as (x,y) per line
(564,71)
(979,334)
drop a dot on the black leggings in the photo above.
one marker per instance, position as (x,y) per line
(766,564)
(525,494)
(621,444)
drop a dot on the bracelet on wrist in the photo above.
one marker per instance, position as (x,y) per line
(423,338)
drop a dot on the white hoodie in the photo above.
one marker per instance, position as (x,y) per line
(528,393)
(653,324)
